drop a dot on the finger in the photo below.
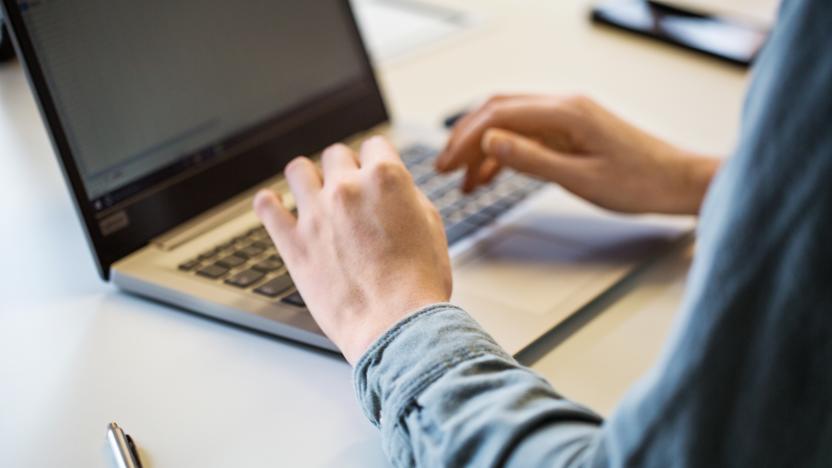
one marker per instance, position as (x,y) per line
(525,115)
(466,119)
(528,156)
(304,180)
(378,149)
(450,159)
(463,122)
(472,176)
(489,170)
(336,161)
(277,220)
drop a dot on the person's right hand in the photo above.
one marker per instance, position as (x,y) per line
(578,144)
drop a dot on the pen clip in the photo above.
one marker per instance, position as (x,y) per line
(133,450)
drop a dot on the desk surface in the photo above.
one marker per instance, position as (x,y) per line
(75,353)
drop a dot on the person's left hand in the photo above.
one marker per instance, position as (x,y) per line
(367,247)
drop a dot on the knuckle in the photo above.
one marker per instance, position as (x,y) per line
(309,227)
(495,99)
(345,191)
(494,112)
(579,101)
(388,173)
(490,104)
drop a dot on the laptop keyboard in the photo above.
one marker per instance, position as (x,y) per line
(249,261)
(464,214)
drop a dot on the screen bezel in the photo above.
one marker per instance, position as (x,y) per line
(358,106)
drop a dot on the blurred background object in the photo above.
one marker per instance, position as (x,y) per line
(6,47)
(735,39)
(761,12)
(395,28)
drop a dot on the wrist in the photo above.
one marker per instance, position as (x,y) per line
(699,171)
(381,317)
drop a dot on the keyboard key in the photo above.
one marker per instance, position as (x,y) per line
(494,210)
(189,265)
(434,186)
(458,231)
(423,177)
(416,154)
(231,261)
(245,278)
(208,254)
(294,299)
(268,265)
(213,271)
(250,251)
(464,214)
(457,216)
(274,287)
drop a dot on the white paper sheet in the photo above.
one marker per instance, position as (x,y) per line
(393,28)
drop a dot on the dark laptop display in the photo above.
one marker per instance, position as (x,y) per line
(148,105)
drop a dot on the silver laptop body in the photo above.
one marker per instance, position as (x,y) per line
(168,116)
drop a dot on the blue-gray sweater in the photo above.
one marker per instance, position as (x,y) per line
(746,379)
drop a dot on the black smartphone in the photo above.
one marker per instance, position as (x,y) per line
(729,39)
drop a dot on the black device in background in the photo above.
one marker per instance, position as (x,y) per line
(6,47)
(728,39)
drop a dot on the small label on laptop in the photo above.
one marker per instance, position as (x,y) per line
(114,222)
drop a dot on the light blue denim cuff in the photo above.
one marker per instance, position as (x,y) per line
(412,355)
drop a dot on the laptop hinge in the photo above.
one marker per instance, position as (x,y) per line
(240,204)
(217,216)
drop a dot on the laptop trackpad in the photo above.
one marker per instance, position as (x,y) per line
(559,247)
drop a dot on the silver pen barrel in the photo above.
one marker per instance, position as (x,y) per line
(123,453)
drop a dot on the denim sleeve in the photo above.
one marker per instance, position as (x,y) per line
(444,393)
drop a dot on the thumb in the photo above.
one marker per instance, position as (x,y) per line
(528,156)
(277,220)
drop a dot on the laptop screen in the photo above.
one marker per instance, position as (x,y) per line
(161,109)
(148,90)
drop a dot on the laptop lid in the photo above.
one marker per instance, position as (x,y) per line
(159,110)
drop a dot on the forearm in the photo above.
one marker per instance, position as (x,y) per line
(444,393)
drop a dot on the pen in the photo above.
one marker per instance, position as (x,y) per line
(124,450)
(451,120)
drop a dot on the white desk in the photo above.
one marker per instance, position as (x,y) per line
(75,353)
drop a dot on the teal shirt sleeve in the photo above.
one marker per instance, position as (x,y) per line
(746,377)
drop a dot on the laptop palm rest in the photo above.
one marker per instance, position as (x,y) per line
(553,257)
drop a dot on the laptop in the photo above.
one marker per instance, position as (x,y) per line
(167,116)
